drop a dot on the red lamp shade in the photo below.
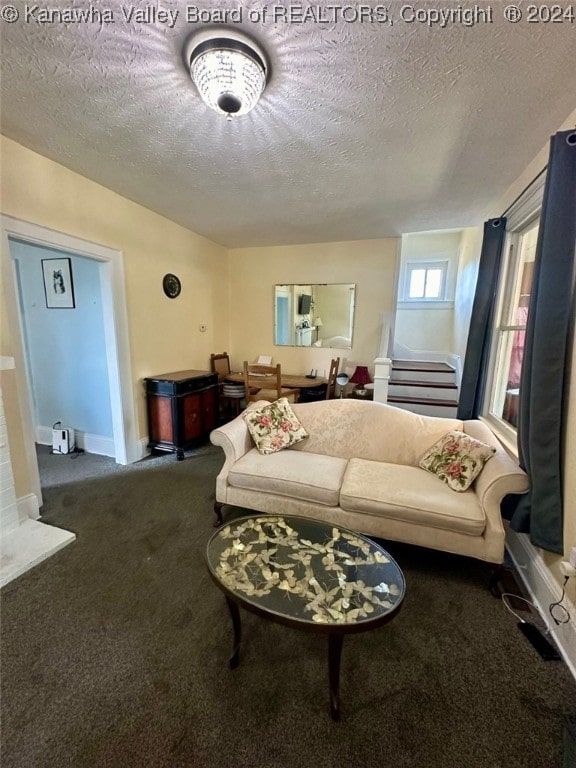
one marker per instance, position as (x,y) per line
(361,377)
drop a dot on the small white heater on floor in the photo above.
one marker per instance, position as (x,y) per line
(62,440)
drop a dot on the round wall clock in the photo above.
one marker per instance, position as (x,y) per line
(171,285)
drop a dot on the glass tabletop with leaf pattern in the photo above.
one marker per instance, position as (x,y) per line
(305,571)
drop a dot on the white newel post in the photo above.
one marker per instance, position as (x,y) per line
(382,363)
(382,368)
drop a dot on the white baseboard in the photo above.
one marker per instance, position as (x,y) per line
(28,507)
(544,590)
(44,435)
(102,446)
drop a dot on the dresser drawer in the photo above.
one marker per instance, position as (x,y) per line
(180,382)
(196,384)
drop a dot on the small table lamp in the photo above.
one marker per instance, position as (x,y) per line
(361,377)
(342,379)
(318,323)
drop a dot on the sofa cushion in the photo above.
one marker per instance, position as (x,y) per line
(274,426)
(457,459)
(305,476)
(409,494)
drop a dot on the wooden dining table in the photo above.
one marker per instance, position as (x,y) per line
(289,381)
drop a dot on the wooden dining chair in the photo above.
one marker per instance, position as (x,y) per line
(272,389)
(331,386)
(220,364)
(230,395)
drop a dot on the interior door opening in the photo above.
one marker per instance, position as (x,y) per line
(127,446)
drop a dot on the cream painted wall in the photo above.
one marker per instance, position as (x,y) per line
(428,329)
(370,264)
(15,434)
(425,330)
(552,561)
(470,246)
(432,245)
(23,482)
(164,333)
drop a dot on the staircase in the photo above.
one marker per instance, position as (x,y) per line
(424,387)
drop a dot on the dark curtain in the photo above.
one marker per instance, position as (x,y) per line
(544,382)
(478,346)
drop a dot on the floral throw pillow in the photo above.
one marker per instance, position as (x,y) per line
(457,459)
(275,426)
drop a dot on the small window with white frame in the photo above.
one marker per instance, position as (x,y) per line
(425,281)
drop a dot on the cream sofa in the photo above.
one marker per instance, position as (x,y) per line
(359,469)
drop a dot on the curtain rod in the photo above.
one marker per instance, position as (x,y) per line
(526,188)
(532,182)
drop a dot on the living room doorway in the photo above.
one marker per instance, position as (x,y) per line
(126,446)
(65,348)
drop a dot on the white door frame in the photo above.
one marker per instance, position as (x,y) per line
(126,444)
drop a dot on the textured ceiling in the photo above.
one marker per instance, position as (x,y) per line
(365,129)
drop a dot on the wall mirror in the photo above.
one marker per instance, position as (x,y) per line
(319,315)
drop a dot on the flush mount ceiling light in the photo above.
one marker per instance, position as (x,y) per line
(229,70)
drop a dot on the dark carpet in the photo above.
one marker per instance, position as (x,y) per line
(115,651)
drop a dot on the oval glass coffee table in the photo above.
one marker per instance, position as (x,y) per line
(306,574)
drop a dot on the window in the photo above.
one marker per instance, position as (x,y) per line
(425,281)
(509,330)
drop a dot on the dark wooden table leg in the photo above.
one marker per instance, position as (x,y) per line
(335,642)
(218,512)
(236,624)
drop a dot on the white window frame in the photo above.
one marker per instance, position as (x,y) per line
(522,214)
(418,302)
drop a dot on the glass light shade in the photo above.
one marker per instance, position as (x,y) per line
(229,81)
(342,379)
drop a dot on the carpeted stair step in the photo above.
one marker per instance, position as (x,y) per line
(422,400)
(426,406)
(421,365)
(421,370)
(424,390)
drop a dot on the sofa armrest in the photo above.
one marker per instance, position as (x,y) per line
(500,477)
(235,440)
(501,474)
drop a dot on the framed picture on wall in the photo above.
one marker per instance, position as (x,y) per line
(58,284)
